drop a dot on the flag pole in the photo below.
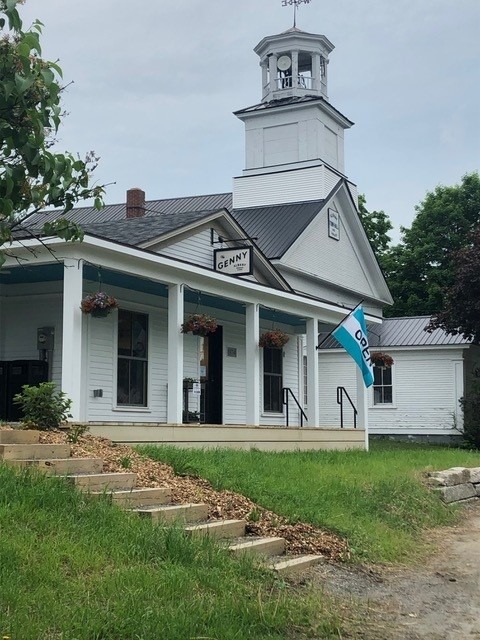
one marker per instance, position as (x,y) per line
(341,321)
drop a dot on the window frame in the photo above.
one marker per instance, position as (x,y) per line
(265,374)
(383,386)
(121,406)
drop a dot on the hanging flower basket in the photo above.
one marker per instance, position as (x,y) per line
(199,324)
(99,304)
(275,339)
(380,359)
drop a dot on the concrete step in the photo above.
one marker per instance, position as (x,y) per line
(176,513)
(34,451)
(259,546)
(19,436)
(295,564)
(103,481)
(218,529)
(146,497)
(61,466)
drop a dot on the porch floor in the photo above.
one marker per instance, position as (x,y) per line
(265,438)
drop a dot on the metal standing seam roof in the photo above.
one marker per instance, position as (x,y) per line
(112,212)
(404,332)
(277,227)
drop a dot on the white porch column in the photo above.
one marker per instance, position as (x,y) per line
(362,405)
(312,373)
(175,355)
(72,336)
(295,82)
(252,358)
(272,63)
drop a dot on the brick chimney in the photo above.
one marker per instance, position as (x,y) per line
(135,203)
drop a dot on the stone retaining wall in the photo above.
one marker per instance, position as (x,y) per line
(457,484)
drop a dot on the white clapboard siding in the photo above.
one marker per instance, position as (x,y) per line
(234,374)
(21,317)
(102,368)
(197,249)
(335,371)
(337,261)
(299,185)
(291,380)
(425,393)
(424,398)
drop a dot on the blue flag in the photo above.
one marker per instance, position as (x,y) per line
(352,335)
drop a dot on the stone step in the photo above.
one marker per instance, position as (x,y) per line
(218,529)
(19,436)
(295,564)
(146,497)
(259,546)
(103,481)
(176,513)
(61,466)
(34,451)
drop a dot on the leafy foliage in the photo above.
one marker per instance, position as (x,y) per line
(199,324)
(471,416)
(461,308)
(32,175)
(377,226)
(43,406)
(421,268)
(274,339)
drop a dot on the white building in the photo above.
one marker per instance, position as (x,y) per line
(419,395)
(293,209)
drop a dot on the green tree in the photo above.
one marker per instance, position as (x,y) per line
(32,175)
(421,268)
(377,226)
(460,313)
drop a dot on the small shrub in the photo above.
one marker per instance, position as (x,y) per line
(471,417)
(126,462)
(76,432)
(43,406)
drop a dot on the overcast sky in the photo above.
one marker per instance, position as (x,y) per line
(155,84)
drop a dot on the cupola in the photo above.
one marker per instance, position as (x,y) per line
(294,63)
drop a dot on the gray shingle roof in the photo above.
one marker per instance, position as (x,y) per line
(404,332)
(277,227)
(136,231)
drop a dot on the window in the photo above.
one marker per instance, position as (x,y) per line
(272,379)
(382,385)
(132,363)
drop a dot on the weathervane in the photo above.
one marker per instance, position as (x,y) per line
(296,4)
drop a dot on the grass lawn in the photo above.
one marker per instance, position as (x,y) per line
(74,568)
(375,499)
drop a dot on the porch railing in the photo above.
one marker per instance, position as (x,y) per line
(286,393)
(341,392)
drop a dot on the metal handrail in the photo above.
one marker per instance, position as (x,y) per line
(340,392)
(303,415)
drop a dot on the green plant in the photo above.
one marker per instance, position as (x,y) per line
(126,462)
(274,339)
(99,304)
(199,324)
(381,359)
(43,406)
(471,416)
(75,432)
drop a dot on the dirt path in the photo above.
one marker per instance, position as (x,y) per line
(439,600)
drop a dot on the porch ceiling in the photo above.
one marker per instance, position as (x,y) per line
(28,273)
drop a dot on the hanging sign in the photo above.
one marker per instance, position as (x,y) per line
(235,262)
(333,224)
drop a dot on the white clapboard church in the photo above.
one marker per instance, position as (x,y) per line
(286,251)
